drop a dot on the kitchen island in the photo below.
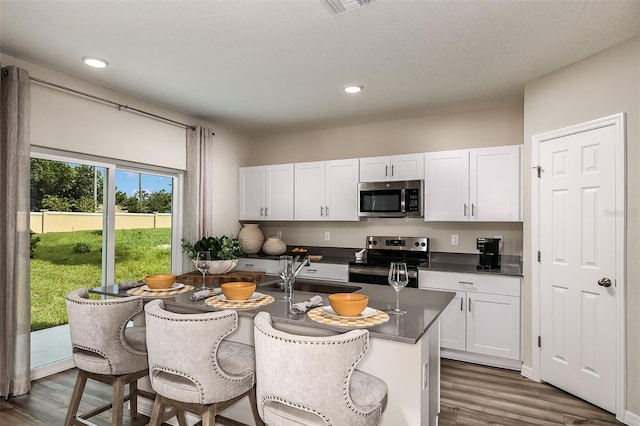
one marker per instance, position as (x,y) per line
(404,351)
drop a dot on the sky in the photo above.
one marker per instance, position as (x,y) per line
(128,182)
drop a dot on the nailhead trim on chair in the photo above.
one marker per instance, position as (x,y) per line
(216,367)
(345,390)
(102,354)
(125,345)
(178,373)
(275,398)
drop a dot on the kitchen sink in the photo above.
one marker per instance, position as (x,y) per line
(312,287)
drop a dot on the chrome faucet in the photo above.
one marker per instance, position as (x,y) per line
(305,262)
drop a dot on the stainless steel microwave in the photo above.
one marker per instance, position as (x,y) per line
(390,199)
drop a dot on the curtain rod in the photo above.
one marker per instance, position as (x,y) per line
(107,101)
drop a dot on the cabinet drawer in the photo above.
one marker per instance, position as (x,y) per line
(480,283)
(251,264)
(326,271)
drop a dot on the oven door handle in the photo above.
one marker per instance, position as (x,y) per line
(381,272)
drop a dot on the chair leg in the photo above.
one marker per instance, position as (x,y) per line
(157,412)
(76,396)
(209,416)
(254,407)
(182,420)
(133,399)
(117,401)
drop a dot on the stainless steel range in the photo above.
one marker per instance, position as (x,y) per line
(381,251)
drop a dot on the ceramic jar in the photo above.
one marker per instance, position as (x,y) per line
(274,246)
(251,238)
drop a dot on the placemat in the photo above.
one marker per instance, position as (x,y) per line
(138,291)
(217,303)
(318,315)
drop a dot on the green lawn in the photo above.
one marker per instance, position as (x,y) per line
(57,269)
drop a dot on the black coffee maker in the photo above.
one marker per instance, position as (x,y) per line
(489,257)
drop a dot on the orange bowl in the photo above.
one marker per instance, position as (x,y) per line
(348,304)
(159,281)
(238,290)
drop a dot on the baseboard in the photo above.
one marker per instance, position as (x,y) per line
(53,368)
(631,419)
(491,361)
(528,373)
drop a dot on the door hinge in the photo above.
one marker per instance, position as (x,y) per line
(538,170)
(539,341)
(539,256)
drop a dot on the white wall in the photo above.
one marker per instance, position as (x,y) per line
(491,126)
(601,85)
(64,121)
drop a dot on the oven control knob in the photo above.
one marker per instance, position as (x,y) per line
(423,244)
(375,242)
(417,244)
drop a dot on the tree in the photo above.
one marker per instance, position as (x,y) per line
(159,201)
(57,181)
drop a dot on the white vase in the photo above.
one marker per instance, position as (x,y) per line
(251,238)
(274,246)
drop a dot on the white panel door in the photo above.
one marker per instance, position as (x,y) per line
(407,167)
(251,197)
(453,327)
(309,191)
(341,190)
(494,185)
(577,241)
(446,186)
(493,325)
(374,169)
(279,192)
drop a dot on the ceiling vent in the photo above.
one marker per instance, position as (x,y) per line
(340,6)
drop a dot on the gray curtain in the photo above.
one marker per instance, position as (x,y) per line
(15,299)
(198,199)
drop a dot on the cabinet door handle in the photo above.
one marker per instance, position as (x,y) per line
(311,271)
(266,211)
(469,305)
(386,171)
(249,265)
(461,302)
(261,211)
(473,209)
(465,282)
(326,210)
(393,170)
(465,210)
(321,210)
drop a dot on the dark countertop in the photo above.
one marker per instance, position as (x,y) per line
(423,307)
(466,263)
(440,261)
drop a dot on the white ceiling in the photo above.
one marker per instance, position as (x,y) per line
(268,66)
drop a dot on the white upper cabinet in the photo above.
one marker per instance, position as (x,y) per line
(481,184)
(266,192)
(446,186)
(389,168)
(326,190)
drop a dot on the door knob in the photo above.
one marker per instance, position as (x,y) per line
(604,282)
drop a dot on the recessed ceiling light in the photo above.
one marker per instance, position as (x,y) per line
(95,62)
(353,88)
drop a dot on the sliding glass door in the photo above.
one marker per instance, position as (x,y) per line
(93,223)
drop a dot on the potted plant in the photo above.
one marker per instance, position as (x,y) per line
(224,252)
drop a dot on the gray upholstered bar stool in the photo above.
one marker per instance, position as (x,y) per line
(313,380)
(191,365)
(106,350)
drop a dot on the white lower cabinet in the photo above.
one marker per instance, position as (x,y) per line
(483,320)
(269,266)
(326,271)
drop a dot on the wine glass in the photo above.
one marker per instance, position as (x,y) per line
(201,262)
(285,269)
(398,279)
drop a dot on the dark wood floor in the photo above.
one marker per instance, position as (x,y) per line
(470,395)
(478,395)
